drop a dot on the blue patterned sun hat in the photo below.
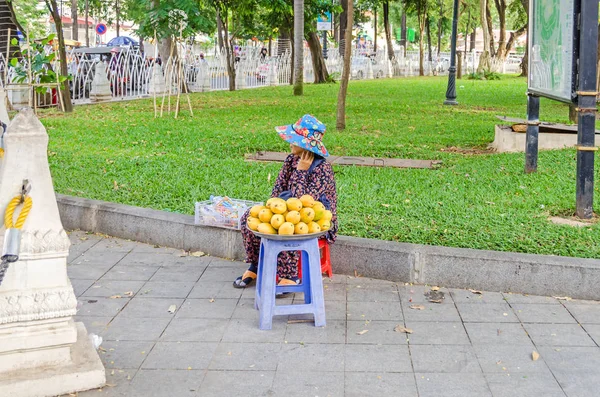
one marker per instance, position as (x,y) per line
(306,133)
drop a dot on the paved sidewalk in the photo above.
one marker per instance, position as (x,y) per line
(469,345)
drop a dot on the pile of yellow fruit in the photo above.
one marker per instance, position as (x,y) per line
(301,215)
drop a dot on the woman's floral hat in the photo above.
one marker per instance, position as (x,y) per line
(306,133)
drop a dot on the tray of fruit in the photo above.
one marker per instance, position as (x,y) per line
(292,219)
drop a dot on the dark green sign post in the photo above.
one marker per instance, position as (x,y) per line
(563,50)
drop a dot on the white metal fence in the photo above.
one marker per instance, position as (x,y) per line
(130,73)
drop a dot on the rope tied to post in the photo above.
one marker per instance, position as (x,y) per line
(11,208)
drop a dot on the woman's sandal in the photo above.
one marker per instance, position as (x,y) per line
(245,280)
(285,281)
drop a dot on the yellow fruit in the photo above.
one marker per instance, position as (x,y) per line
(327,215)
(270,201)
(314,227)
(278,206)
(252,223)
(301,228)
(319,210)
(294,204)
(307,215)
(266,228)
(287,228)
(265,215)
(255,210)
(277,220)
(324,224)
(293,216)
(307,200)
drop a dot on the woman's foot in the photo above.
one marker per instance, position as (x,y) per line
(286,281)
(247,278)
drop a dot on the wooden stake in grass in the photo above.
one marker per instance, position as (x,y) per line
(341,104)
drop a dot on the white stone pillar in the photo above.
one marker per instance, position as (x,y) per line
(273,77)
(100,85)
(389,68)
(240,79)
(205,85)
(157,81)
(370,69)
(3,113)
(43,352)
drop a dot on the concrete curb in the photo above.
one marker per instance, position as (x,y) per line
(422,264)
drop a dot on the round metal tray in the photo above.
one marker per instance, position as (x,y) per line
(289,237)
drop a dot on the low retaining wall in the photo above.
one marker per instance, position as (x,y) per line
(401,262)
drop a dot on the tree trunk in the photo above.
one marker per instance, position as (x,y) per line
(428,24)
(318,62)
(473,39)
(66,94)
(422,18)
(117,13)
(525,61)
(388,29)
(421,52)
(375,29)
(484,59)
(298,47)
(403,42)
(439,32)
(87,25)
(343,24)
(341,103)
(490,26)
(75,27)
(502,43)
(220,32)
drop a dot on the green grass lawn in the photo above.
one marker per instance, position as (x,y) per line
(119,152)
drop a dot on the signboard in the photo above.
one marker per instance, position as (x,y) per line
(101,29)
(410,35)
(324,21)
(552,49)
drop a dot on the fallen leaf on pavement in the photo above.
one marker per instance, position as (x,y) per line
(364,331)
(197,253)
(417,307)
(474,291)
(211,300)
(128,293)
(563,298)
(400,328)
(115,297)
(435,288)
(172,309)
(535,355)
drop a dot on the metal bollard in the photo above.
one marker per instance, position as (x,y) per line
(12,245)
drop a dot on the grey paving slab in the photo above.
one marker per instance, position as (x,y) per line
(143,258)
(110,288)
(351,280)
(155,249)
(594,331)
(335,292)
(246,356)
(208,308)
(543,313)
(388,311)
(167,383)
(520,298)
(524,385)
(81,285)
(337,279)
(180,355)
(558,335)
(216,290)
(416,294)
(486,313)
(245,309)
(246,330)
(384,384)
(333,332)
(432,333)
(118,384)
(130,273)
(510,359)
(452,385)
(372,293)
(571,359)
(584,384)
(221,262)
(143,307)
(172,289)
(222,273)
(99,257)
(498,334)
(467,296)
(184,273)
(80,272)
(443,358)
(115,245)
(377,358)
(195,330)
(430,312)
(104,307)
(136,329)
(306,357)
(584,313)
(94,324)
(335,310)
(377,333)
(124,354)
(235,383)
(301,384)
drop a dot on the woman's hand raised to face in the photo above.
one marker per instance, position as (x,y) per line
(306,159)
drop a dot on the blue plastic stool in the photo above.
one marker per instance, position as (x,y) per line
(311,285)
